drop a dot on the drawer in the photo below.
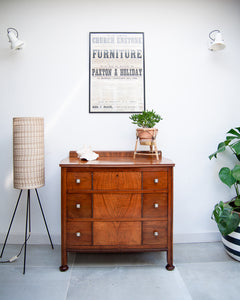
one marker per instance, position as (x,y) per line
(117,233)
(155,233)
(155,180)
(79,233)
(79,206)
(155,205)
(117,206)
(78,181)
(116,180)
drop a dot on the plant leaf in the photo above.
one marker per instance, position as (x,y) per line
(228,222)
(237,202)
(234,132)
(236,172)
(238,129)
(221,147)
(226,177)
(236,147)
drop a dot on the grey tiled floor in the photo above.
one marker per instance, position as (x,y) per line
(203,271)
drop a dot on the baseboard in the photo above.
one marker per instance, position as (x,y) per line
(177,238)
(197,237)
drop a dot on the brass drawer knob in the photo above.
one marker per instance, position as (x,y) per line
(78,180)
(78,234)
(155,205)
(155,233)
(78,205)
(156,180)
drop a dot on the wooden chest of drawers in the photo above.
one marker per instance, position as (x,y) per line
(115,204)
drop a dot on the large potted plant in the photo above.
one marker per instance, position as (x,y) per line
(146,122)
(227,214)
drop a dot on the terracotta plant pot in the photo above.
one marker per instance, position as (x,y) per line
(146,135)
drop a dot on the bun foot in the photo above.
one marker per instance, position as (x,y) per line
(63,268)
(170,267)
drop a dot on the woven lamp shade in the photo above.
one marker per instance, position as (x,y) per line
(28,153)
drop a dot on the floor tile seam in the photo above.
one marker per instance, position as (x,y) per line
(70,269)
(201,262)
(182,284)
(208,262)
(121,266)
(68,284)
(32,267)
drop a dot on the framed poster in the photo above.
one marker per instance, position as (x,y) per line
(116,72)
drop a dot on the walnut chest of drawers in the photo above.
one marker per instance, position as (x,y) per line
(115,204)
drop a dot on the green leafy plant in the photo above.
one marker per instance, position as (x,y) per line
(146,119)
(232,142)
(227,220)
(227,215)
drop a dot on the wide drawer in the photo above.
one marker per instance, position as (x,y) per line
(78,181)
(117,233)
(116,180)
(79,233)
(79,206)
(155,180)
(155,233)
(155,205)
(117,206)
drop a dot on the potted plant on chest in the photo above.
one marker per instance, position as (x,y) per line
(146,122)
(146,133)
(227,214)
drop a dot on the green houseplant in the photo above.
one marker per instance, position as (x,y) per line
(146,122)
(146,119)
(227,214)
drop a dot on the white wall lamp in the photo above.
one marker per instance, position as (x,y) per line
(16,44)
(217,42)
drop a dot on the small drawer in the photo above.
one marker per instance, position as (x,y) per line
(79,233)
(155,233)
(116,233)
(79,206)
(117,206)
(78,181)
(155,205)
(116,180)
(155,180)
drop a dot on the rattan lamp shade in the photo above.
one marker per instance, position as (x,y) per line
(28,153)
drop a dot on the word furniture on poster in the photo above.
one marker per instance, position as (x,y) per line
(116,72)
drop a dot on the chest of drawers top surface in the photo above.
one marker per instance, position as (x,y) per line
(116,158)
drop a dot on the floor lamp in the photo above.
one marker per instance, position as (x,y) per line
(28,168)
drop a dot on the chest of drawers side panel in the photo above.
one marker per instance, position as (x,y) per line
(170,220)
(63,219)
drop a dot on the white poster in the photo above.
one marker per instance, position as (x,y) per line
(116,72)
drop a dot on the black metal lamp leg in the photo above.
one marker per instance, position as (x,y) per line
(44,218)
(5,242)
(26,229)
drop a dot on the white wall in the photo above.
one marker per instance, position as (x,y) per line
(196,91)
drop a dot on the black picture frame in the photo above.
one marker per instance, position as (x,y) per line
(116,72)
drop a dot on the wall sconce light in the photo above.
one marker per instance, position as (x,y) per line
(16,44)
(217,42)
